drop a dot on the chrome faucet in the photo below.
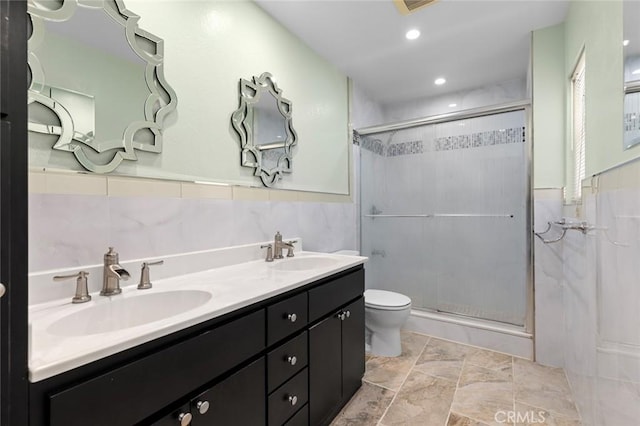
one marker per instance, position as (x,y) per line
(112,274)
(278,245)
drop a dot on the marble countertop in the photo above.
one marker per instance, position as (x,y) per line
(231,287)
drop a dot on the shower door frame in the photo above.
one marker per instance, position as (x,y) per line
(523,105)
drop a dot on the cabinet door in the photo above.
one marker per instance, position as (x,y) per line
(352,348)
(237,400)
(325,369)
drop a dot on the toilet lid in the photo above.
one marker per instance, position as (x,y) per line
(385,299)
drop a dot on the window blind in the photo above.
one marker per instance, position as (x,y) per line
(578,129)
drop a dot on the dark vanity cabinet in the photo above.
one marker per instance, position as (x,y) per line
(294,359)
(238,399)
(336,349)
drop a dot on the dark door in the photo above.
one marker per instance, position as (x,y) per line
(325,369)
(237,400)
(352,348)
(13,213)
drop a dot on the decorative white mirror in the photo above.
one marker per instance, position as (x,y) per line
(264,124)
(631,46)
(97,87)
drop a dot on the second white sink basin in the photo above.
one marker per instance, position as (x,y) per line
(125,312)
(304,263)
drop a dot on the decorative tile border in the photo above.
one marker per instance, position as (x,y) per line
(374,145)
(405,148)
(356,138)
(447,143)
(475,140)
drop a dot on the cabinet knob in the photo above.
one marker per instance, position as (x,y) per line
(293,400)
(292,360)
(342,316)
(348,313)
(184,419)
(292,317)
(202,406)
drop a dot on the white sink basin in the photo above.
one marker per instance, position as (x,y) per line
(120,313)
(304,263)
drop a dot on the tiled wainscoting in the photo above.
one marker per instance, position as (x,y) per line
(601,299)
(439,383)
(73,219)
(587,295)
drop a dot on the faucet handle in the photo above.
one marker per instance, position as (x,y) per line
(145,282)
(269,248)
(290,247)
(82,292)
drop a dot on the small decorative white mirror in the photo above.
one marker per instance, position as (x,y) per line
(264,124)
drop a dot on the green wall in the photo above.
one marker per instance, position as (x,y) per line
(548,107)
(596,26)
(208,47)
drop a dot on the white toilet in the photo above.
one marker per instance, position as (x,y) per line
(385,312)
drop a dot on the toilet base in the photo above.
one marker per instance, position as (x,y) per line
(385,343)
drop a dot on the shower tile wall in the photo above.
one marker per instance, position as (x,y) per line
(600,299)
(433,169)
(548,271)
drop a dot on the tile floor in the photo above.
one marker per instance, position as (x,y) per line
(439,383)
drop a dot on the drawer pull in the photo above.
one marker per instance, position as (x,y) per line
(292,360)
(293,400)
(202,406)
(292,317)
(184,419)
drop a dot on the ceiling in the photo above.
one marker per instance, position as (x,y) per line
(471,43)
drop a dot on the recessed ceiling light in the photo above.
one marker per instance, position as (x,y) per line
(636,72)
(625,42)
(440,81)
(453,105)
(412,34)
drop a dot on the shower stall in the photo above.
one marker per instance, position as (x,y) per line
(445,214)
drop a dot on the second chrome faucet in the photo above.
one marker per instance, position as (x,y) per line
(112,274)
(275,251)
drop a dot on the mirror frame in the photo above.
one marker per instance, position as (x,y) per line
(161,100)
(631,91)
(250,93)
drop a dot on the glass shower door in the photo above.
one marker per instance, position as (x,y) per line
(444,211)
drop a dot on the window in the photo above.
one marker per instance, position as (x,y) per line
(578,128)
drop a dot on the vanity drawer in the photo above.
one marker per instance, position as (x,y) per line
(330,296)
(286,360)
(129,394)
(301,418)
(288,398)
(237,400)
(286,317)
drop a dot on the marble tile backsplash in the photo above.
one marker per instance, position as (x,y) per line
(548,272)
(73,230)
(600,299)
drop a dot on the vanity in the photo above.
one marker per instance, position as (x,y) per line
(278,343)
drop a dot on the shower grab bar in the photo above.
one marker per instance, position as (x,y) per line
(583,227)
(565,226)
(437,215)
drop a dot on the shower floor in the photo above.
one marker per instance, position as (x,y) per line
(439,383)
